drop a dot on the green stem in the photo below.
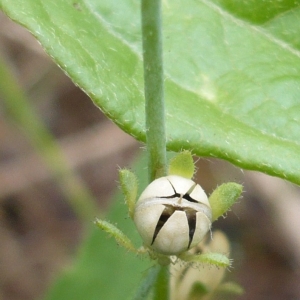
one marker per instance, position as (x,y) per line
(161,287)
(147,284)
(155,110)
(154,88)
(19,108)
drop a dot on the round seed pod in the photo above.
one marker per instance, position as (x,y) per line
(172,215)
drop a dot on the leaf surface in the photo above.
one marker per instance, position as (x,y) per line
(232,71)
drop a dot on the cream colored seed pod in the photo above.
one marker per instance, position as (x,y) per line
(172,215)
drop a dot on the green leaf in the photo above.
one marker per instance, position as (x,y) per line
(232,71)
(257,11)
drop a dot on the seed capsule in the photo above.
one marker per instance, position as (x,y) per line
(172,214)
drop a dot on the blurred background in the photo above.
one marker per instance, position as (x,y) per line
(39,228)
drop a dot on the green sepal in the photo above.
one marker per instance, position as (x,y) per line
(117,234)
(211,258)
(223,197)
(182,165)
(129,186)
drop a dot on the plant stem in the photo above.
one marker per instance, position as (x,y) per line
(19,108)
(155,110)
(154,88)
(161,287)
(147,284)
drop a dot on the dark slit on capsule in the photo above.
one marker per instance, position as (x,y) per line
(167,213)
(191,218)
(186,196)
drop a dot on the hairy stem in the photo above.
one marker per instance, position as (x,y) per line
(154,88)
(147,283)
(161,288)
(155,109)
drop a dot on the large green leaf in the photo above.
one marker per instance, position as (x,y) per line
(232,71)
